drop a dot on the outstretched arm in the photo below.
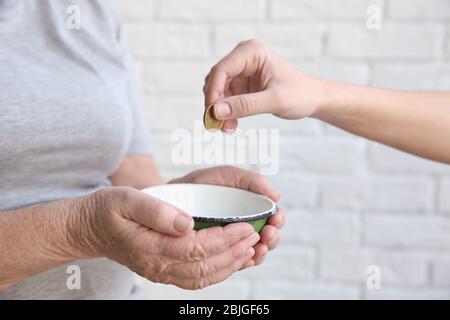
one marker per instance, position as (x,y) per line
(415,122)
(252,80)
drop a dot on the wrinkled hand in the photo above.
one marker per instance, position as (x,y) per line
(238,178)
(157,240)
(252,80)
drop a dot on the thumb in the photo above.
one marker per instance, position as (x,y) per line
(245,105)
(161,216)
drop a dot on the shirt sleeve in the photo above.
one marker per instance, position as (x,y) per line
(140,143)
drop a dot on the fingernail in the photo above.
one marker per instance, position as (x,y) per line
(222,110)
(183,222)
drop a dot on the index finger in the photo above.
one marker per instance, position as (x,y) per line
(278,219)
(207,242)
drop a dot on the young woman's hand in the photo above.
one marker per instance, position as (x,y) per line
(238,178)
(157,240)
(252,79)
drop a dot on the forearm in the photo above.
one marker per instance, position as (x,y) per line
(36,239)
(415,122)
(137,171)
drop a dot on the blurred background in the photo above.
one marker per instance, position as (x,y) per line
(350,203)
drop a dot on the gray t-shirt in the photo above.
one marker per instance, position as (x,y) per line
(69,112)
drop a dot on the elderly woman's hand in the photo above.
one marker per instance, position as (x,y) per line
(238,178)
(157,240)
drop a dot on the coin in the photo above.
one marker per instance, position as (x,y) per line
(210,122)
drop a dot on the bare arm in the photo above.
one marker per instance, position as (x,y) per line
(415,122)
(252,80)
(38,238)
(35,239)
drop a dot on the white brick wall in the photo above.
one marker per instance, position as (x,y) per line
(351,266)
(419,10)
(407,231)
(350,203)
(292,41)
(394,41)
(206,10)
(444,196)
(305,9)
(168,41)
(441,276)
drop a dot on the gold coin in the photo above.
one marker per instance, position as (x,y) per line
(210,122)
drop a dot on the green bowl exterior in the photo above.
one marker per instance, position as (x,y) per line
(257,224)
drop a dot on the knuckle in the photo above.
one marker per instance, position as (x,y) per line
(254,43)
(190,285)
(252,181)
(116,196)
(201,270)
(156,272)
(109,200)
(122,192)
(159,273)
(163,279)
(216,93)
(227,168)
(197,252)
(102,197)
(157,206)
(215,69)
(242,43)
(201,284)
(210,234)
(246,106)
(156,212)
(238,251)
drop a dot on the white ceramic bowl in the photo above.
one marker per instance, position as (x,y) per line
(212,205)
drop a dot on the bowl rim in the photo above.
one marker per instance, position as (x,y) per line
(232,219)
